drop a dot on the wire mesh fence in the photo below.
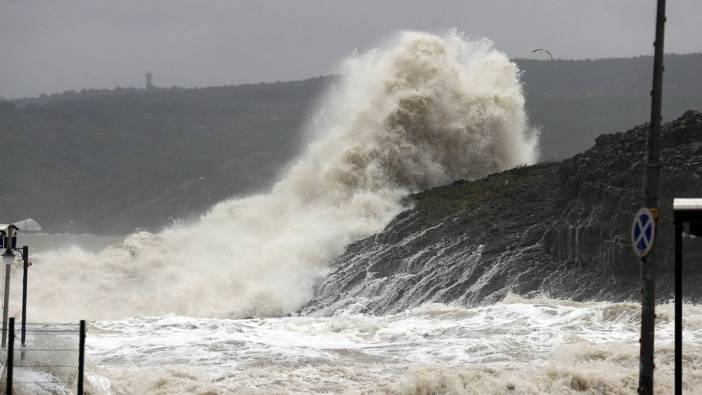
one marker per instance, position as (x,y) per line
(49,361)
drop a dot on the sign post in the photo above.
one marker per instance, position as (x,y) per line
(643,232)
(653,168)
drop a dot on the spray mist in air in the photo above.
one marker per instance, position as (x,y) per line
(419,112)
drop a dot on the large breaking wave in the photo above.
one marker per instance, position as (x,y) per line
(418,112)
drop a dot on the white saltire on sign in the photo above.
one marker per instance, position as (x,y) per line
(643,232)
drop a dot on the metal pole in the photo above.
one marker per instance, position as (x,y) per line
(10,357)
(678,303)
(8,258)
(653,165)
(25,259)
(81,356)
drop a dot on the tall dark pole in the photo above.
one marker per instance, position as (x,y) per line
(678,303)
(81,356)
(653,166)
(8,257)
(10,357)
(25,260)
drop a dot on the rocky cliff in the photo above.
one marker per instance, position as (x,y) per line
(555,228)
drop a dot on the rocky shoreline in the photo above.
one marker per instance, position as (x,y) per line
(555,228)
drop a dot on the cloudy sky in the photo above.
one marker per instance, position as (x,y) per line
(51,46)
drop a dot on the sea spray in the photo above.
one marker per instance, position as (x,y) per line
(518,346)
(420,111)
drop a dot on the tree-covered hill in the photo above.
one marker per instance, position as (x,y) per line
(574,101)
(109,161)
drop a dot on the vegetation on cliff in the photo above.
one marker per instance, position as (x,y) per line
(109,161)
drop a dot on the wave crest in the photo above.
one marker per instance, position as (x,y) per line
(419,112)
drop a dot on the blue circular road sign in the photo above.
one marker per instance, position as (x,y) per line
(643,232)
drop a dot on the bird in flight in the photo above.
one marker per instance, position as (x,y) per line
(541,50)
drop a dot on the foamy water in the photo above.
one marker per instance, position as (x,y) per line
(516,347)
(421,111)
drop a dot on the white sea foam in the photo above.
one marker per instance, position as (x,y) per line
(421,111)
(517,346)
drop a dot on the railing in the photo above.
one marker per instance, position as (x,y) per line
(50,361)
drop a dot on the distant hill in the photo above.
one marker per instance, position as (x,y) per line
(111,161)
(108,161)
(574,101)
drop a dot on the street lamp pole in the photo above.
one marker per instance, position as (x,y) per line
(8,257)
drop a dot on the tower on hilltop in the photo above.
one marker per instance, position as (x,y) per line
(149,84)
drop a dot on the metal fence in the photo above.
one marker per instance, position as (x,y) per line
(49,361)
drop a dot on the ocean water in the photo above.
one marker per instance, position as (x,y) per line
(519,346)
(208,307)
(51,242)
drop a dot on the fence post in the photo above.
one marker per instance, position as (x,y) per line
(25,259)
(10,356)
(81,356)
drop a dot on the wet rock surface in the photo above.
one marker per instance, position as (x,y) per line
(556,228)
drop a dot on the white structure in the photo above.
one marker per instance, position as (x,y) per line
(687,204)
(25,225)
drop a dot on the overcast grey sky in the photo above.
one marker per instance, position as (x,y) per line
(52,46)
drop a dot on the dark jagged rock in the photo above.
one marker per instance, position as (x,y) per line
(556,228)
